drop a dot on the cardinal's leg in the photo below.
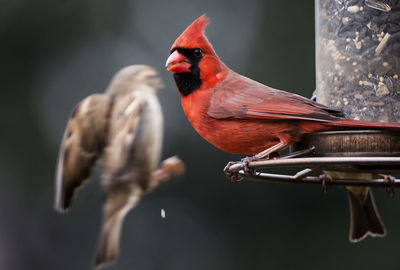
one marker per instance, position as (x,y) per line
(269,152)
(275,148)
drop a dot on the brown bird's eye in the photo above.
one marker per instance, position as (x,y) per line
(198,52)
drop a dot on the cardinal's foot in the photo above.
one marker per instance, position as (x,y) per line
(232,176)
(247,170)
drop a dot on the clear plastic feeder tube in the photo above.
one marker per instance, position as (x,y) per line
(358,57)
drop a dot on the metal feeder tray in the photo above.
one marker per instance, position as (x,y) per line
(356,151)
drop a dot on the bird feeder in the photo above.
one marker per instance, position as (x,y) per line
(357,72)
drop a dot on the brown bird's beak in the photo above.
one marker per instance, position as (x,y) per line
(178,63)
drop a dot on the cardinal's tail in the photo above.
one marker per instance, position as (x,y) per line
(364,216)
(355,124)
(114,211)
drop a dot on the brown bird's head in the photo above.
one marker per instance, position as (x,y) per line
(134,78)
(193,60)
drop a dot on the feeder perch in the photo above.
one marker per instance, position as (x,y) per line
(355,151)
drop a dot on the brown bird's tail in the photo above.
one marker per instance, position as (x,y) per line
(114,211)
(364,216)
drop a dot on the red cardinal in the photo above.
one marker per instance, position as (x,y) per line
(241,116)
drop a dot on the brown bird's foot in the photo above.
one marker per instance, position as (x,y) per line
(173,166)
(324,179)
(232,176)
(389,183)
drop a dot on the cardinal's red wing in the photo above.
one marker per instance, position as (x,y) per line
(246,99)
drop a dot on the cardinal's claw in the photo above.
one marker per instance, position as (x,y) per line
(233,177)
(247,170)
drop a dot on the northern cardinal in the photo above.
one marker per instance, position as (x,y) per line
(123,129)
(239,115)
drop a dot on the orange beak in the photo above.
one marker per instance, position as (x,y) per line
(178,63)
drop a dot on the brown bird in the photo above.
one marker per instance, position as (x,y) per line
(121,128)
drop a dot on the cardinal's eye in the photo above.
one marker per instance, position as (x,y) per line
(198,52)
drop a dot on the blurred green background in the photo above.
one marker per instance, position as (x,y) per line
(54,53)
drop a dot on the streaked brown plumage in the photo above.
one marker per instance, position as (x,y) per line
(121,128)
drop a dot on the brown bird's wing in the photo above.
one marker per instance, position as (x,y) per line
(83,142)
(238,97)
(121,152)
(122,176)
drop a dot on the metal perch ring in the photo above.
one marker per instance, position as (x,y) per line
(369,151)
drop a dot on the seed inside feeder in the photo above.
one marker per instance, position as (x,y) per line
(359,46)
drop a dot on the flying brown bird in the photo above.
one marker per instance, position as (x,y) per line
(121,128)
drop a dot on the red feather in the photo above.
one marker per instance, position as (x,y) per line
(239,115)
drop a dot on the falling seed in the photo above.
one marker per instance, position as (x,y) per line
(354,63)
(395,76)
(381,79)
(369,75)
(348,39)
(361,83)
(163,214)
(345,101)
(385,64)
(356,70)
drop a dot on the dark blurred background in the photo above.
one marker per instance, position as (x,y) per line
(54,53)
